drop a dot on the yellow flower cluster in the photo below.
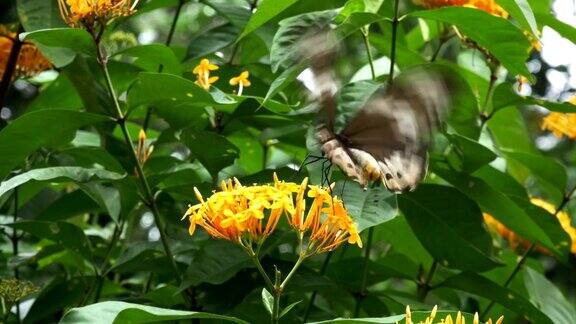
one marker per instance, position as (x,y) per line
(30,61)
(249,214)
(460,319)
(489,6)
(89,12)
(561,124)
(203,78)
(517,242)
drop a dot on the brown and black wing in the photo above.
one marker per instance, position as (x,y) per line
(395,127)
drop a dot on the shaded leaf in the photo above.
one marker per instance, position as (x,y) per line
(548,298)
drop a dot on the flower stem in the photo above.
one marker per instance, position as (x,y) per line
(148,195)
(366,36)
(362,293)
(395,22)
(258,265)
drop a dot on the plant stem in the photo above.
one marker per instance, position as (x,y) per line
(258,265)
(293,271)
(424,287)
(168,41)
(524,258)
(393,47)
(366,36)
(362,293)
(10,67)
(14,240)
(484,114)
(315,292)
(149,199)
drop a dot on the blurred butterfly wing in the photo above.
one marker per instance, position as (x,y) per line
(396,128)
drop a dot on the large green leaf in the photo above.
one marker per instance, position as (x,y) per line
(479,285)
(60,45)
(212,40)
(34,130)
(284,51)
(548,298)
(505,96)
(69,205)
(214,151)
(370,207)
(216,262)
(56,174)
(468,155)
(153,57)
(152,88)
(121,312)
(508,45)
(57,295)
(39,14)
(67,235)
(522,12)
(267,10)
(449,225)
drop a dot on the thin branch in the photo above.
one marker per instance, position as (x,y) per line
(362,293)
(366,36)
(395,22)
(424,287)
(10,67)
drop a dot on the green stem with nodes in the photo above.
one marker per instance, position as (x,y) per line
(395,22)
(362,293)
(148,198)
(565,200)
(366,36)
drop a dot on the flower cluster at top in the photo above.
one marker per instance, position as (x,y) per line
(516,242)
(460,319)
(30,61)
(87,13)
(249,214)
(203,78)
(489,6)
(561,124)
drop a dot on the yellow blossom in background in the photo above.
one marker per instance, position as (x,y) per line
(489,6)
(202,72)
(30,61)
(459,319)
(561,124)
(89,12)
(516,242)
(241,81)
(247,214)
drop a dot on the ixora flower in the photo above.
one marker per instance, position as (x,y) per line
(489,6)
(89,12)
(561,124)
(241,81)
(143,151)
(517,242)
(30,61)
(202,72)
(459,319)
(249,214)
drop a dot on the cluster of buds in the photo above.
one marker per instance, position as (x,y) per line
(89,13)
(490,6)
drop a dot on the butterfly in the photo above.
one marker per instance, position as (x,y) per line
(388,138)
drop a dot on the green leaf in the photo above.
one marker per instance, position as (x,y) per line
(505,96)
(283,80)
(56,174)
(469,155)
(65,234)
(351,98)
(143,256)
(215,263)
(367,208)
(550,173)
(548,298)
(284,51)
(417,317)
(39,14)
(153,57)
(497,204)
(121,312)
(509,131)
(267,9)
(508,45)
(267,300)
(60,45)
(288,308)
(355,21)
(107,197)
(29,132)
(522,12)
(212,41)
(214,151)
(152,88)
(56,296)
(435,212)
(69,205)
(59,94)
(479,285)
